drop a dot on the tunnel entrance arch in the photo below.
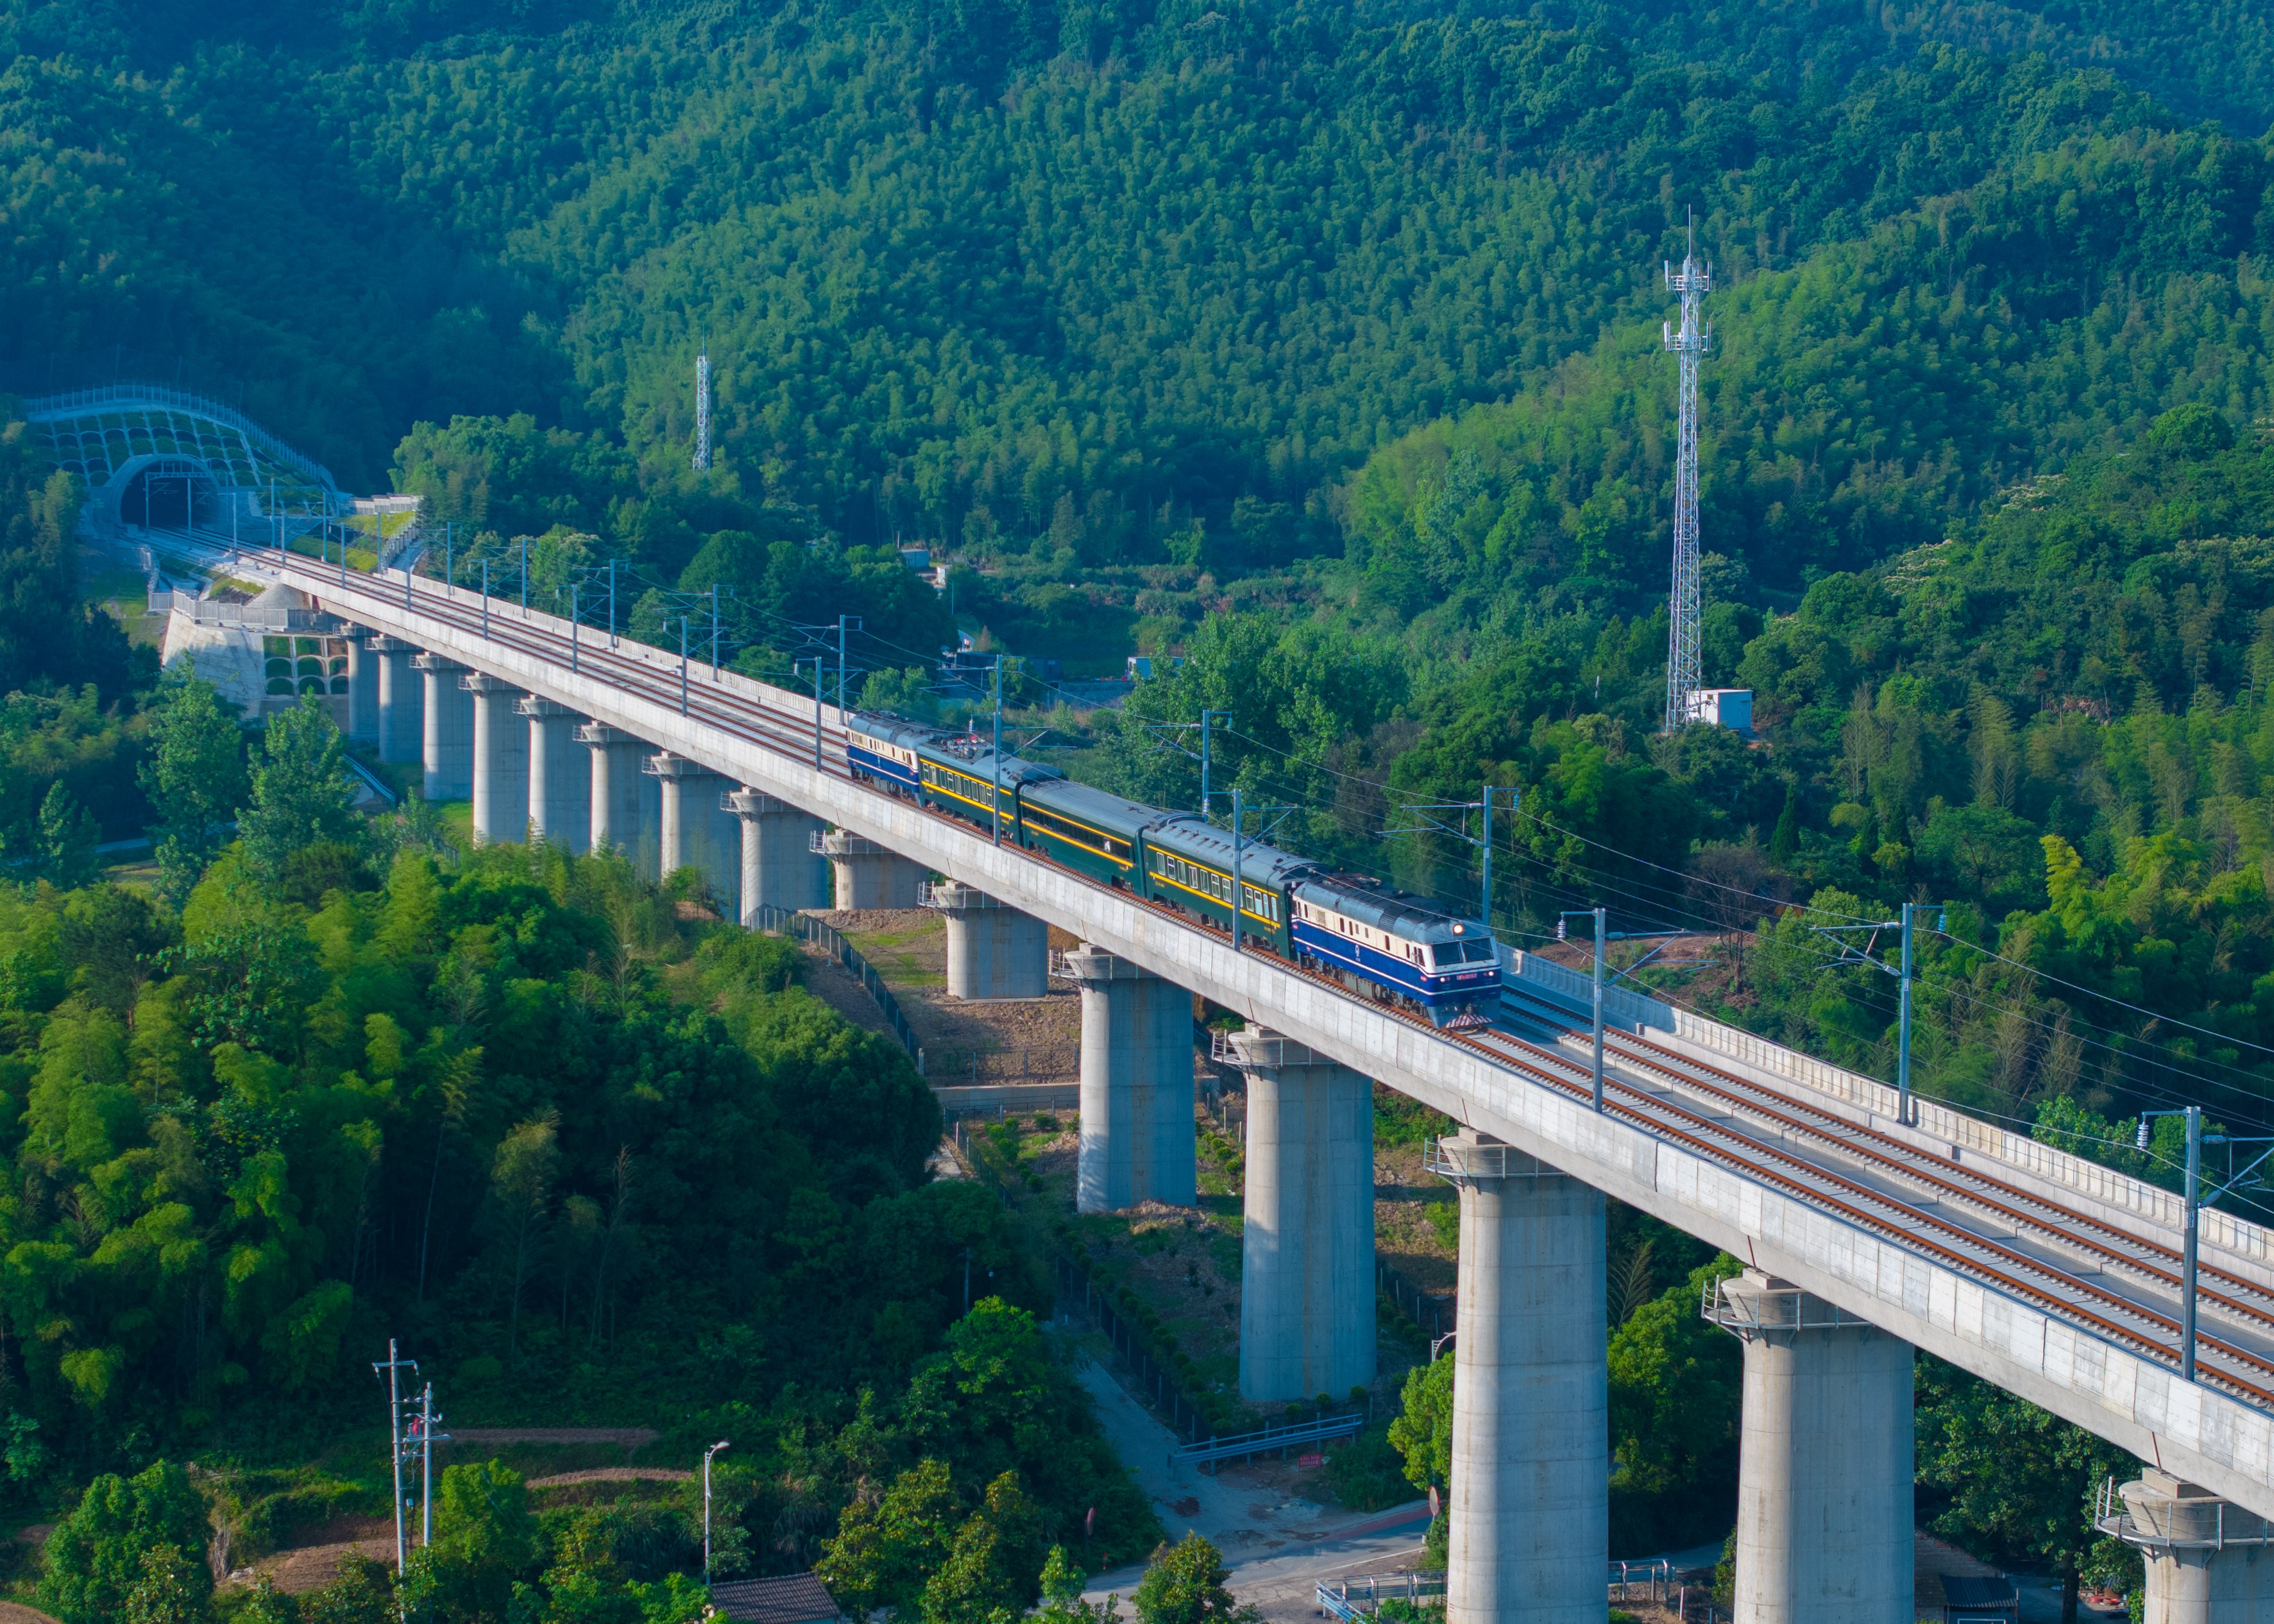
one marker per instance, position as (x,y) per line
(172,494)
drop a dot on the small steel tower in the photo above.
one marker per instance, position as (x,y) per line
(703,409)
(1686,671)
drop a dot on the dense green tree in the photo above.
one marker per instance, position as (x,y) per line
(68,837)
(96,1558)
(195,779)
(303,794)
(167,1591)
(485,1541)
(1185,1584)
(888,1544)
(2020,1485)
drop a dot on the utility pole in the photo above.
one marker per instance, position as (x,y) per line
(524,577)
(996,753)
(843,622)
(612,603)
(682,664)
(1903,1027)
(1685,671)
(714,631)
(1206,717)
(486,596)
(817,662)
(427,1416)
(1851,954)
(393,1367)
(714,1449)
(1596,1026)
(572,627)
(1239,826)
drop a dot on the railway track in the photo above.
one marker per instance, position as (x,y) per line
(2141,1326)
(2245,1304)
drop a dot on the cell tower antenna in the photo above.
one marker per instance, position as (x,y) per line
(1685,673)
(702,408)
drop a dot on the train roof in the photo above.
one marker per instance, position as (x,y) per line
(1189,836)
(981,763)
(1387,907)
(1114,814)
(891,729)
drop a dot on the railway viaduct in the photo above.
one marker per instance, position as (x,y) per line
(1865,1237)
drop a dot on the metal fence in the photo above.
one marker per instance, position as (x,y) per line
(1128,1339)
(205,611)
(805,927)
(128,396)
(1435,1314)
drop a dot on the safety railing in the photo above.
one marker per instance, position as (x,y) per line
(1461,1160)
(1251,1049)
(1751,1310)
(952,894)
(1267,1440)
(2194,1525)
(805,927)
(1348,1599)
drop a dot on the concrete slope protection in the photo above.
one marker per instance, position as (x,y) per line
(2039,1288)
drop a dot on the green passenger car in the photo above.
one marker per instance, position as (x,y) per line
(1189,864)
(1085,828)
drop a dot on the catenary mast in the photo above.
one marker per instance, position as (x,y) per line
(1684,665)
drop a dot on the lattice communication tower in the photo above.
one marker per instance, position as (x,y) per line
(1686,671)
(703,409)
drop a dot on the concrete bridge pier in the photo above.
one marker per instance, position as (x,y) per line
(1825,1460)
(363,688)
(559,777)
(449,729)
(1306,1291)
(868,876)
(2209,1561)
(500,760)
(1138,1141)
(780,867)
(993,951)
(1529,1513)
(691,828)
(622,820)
(401,709)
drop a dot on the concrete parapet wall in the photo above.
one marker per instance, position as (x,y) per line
(2005,1334)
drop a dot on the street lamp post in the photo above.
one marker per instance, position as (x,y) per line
(707,1454)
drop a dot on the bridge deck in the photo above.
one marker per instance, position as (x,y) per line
(2031,1286)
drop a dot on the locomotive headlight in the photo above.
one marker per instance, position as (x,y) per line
(1458,929)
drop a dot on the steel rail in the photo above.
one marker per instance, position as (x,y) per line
(2076,1230)
(743,716)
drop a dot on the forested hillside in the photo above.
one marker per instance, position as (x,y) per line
(1321,345)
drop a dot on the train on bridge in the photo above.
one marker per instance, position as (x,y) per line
(1377,939)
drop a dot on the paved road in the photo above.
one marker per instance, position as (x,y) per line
(1278,1542)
